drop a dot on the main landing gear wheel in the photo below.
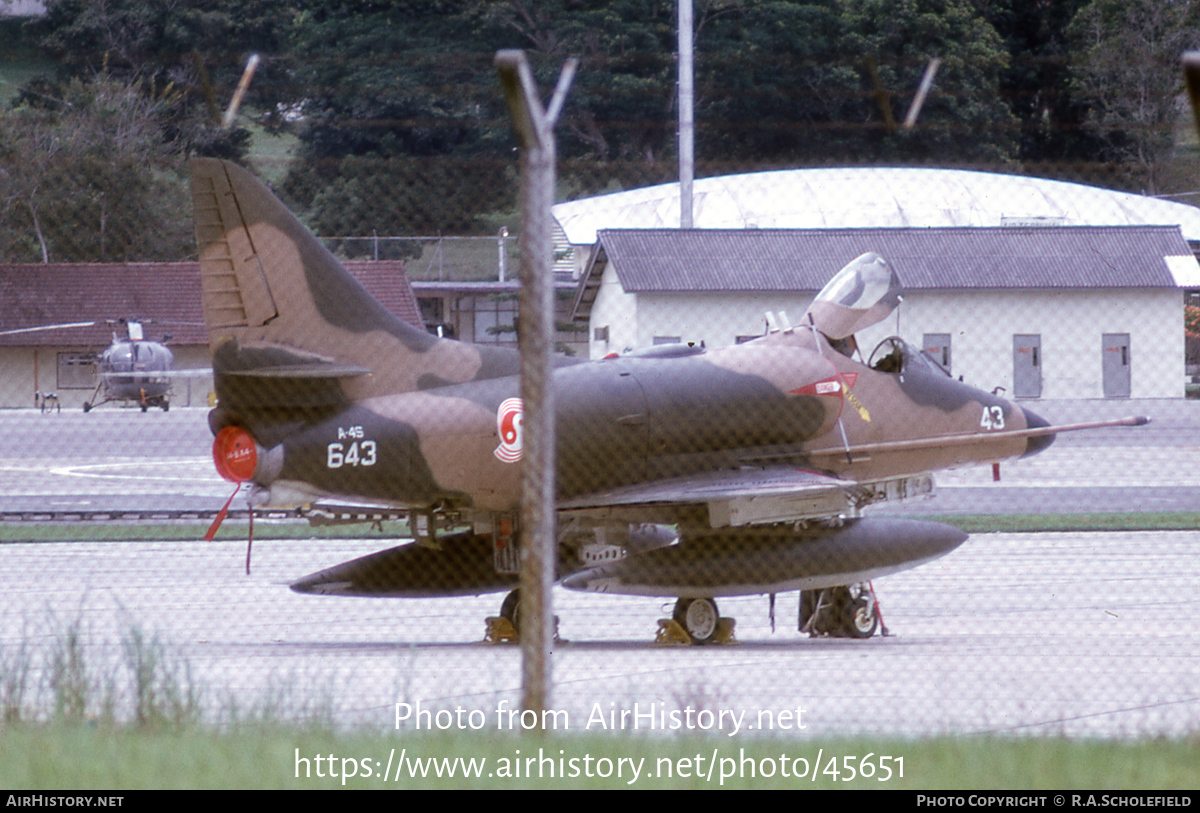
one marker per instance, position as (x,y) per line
(505,627)
(699,617)
(510,610)
(502,629)
(839,612)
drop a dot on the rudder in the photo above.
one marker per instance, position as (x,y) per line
(288,325)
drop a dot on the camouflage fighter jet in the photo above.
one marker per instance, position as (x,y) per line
(682,471)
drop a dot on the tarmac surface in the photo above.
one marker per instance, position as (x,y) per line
(1082,635)
(1079,635)
(123,459)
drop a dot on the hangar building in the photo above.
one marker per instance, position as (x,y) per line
(1048,289)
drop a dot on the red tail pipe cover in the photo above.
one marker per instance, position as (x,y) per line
(235,454)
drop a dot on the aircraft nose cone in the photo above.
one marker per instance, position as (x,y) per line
(1040,442)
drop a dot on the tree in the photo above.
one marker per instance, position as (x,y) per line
(623,99)
(1191,320)
(773,85)
(964,118)
(1036,85)
(1125,64)
(194,50)
(89,178)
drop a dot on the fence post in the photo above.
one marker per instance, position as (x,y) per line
(535,336)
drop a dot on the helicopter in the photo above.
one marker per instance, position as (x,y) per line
(134,370)
(131,370)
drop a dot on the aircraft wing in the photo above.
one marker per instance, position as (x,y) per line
(735,497)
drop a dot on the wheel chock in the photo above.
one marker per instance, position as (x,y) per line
(671,633)
(724,633)
(500,631)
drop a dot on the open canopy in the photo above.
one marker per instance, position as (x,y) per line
(860,295)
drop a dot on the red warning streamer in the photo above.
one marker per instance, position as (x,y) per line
(235,455)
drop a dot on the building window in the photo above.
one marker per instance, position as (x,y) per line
(495,320)
(76,371)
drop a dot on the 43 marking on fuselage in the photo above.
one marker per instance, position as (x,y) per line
(992,418)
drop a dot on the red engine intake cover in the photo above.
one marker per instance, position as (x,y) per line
(235,454)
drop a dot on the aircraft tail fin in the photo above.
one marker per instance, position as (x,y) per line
(288,325)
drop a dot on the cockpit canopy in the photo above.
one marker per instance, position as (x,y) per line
(894,355)
(860,295)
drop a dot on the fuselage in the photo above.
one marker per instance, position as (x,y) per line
(136,370)
(786,398)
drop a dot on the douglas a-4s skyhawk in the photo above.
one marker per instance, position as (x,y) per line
(682,472)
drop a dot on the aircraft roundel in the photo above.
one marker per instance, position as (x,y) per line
(834,385)
(510,419)
(235,454)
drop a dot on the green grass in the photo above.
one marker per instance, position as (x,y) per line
(1037,523)
(231,530)
(79,757)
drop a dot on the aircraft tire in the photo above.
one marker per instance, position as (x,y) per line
(859,619)
(166,406)
(87,406)
(699,617)
(511,608)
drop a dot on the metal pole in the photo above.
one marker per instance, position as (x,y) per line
(503,241)
(535,336)
(914,109)
(687,122)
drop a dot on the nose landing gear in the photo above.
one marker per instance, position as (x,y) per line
(849,611)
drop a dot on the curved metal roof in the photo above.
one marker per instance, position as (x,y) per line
(872,197)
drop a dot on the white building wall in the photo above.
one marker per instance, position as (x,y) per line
(717,319)
(1071,324)
(616,310)
(982,324)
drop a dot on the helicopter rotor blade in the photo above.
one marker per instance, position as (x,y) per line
(63,326)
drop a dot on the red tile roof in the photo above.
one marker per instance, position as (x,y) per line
(164,296)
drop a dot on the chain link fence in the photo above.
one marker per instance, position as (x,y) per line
(730,523)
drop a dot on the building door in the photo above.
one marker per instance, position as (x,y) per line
(1117,378)
(1027,365)
(937,347)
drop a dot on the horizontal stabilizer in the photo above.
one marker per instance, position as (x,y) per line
(307,371)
